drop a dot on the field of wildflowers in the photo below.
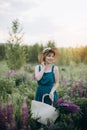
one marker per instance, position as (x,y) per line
(17,89)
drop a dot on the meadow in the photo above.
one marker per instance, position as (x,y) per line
(17,89)
(18,85)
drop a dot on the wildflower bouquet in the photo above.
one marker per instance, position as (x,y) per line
(69,107)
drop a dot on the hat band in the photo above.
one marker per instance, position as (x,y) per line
(46,50)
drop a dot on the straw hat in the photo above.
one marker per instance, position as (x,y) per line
(47,50)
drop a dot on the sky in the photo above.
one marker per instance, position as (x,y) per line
(61,21)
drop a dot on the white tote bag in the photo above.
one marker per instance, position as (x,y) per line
(43,112)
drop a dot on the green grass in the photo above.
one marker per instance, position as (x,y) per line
(3,67)
(76,70)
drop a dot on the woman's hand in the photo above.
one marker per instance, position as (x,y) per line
(51,95)
(43,65)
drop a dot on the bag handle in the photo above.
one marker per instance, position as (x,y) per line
(45,96)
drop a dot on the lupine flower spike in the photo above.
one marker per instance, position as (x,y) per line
(24,115)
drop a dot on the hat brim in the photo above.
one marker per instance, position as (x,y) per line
(41,55)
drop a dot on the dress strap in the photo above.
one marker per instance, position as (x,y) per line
(39,68)
(53,68)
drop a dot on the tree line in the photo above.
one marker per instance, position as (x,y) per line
(30,53)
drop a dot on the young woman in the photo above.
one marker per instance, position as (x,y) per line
(47,75)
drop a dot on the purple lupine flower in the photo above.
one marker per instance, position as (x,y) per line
(85,93)
(80,91)
(24,115)
(3,117)
(70,82)
(10,73)
(69,106)
(64,104)
(73,107)
(73,90)
(13,125)
(60,100)
(10,111)
(0,116)
(80,87)
(80,83)
(10,115)
(71,121)
(63,82)
(86,85)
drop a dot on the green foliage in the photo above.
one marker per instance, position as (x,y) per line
(83,54)
(3,68)
(6,86)
(26,52)
(34,125)
(33,53)
(2,51)
(62,60)
(15,57)
(67,122)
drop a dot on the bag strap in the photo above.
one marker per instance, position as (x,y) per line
(45,96)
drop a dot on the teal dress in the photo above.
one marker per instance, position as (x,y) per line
(45,85)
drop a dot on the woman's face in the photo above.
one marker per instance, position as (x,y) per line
(49,58)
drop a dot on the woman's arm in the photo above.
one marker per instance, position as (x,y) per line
(56,74)
(39,74)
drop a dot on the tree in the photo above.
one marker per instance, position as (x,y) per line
(51,44)
(15,53)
